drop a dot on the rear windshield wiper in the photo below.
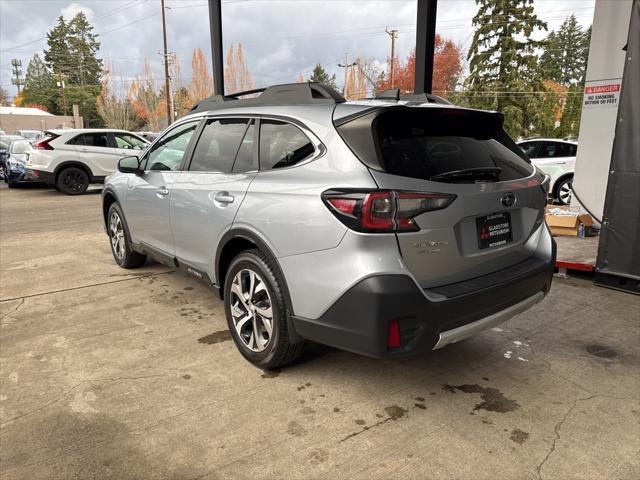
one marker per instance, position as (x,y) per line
(479,173)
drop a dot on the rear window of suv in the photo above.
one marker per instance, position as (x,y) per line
(447,145)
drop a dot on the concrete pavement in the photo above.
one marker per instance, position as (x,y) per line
(112,373)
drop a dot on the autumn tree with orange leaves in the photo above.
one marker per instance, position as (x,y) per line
(147,104)
(447,69)
(236,74)
(201,85)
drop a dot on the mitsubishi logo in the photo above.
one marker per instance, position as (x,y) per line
(508,199)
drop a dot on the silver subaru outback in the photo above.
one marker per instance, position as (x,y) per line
(384,227)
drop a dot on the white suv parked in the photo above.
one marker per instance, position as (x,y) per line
(69,160)
(556,158)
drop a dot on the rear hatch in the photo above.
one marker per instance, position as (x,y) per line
(498,199)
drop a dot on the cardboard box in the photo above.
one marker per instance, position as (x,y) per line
(566,224)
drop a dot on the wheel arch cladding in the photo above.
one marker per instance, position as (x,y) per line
(236,241)
(60,168)
(108,200)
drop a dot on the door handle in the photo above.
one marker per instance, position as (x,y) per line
(224,197)
(162,192)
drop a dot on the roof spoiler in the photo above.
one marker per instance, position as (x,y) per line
(394,94)
(285,94)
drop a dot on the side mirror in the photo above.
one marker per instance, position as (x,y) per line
(129,165)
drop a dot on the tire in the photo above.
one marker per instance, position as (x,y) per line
(73,181)
(262,348)
(120,240)
(12,184)
(563,191)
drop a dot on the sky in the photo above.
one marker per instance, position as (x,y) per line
(281,38)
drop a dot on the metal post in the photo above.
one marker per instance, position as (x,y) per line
(215,25)
(167,85)
(425,45)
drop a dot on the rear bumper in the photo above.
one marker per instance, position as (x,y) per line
(358,321)
(40,176)
(13,175)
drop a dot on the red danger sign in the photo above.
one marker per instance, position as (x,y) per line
(601,93)
(611,88)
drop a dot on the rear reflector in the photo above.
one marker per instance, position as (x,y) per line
(393,335)
(383,211)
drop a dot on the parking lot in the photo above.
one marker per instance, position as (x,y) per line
(132,374)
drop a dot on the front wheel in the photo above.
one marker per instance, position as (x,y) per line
(120,241)
(256,312)
(73,181)
(564,190)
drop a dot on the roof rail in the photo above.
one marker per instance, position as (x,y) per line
(285,94)
(394,94)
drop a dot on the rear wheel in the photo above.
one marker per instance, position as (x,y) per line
(120,240)
(564,190)
(256,312)
(73,181)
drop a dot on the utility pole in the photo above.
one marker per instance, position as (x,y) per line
(346,65)
(167,85)
(60,83)
(392,73)
(17,73)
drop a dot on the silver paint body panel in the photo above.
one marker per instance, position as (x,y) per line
(319,257)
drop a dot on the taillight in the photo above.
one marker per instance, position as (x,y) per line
(383,211)
(43,144)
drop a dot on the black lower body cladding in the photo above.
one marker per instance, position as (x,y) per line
(359,320)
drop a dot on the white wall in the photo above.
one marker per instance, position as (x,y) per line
(600,107)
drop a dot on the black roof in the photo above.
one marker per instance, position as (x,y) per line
(286,94)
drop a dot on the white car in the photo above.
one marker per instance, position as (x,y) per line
(556,158)
(69,160)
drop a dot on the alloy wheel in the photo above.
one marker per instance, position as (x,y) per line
(564,192)
(116,233)
(73,181)
(251,309)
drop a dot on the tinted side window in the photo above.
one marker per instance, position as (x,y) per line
(282,145)
(529,148)
(556,149)
(90,140)
(168,152)
(565,150)
(246,160)
(217,147)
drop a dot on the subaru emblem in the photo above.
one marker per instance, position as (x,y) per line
(508,199)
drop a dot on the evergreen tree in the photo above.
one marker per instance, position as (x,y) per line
(320,75)
(71,51)
(39,85)
(71,55)
(502,61)
(57,54)
(564,59)
(86,67)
